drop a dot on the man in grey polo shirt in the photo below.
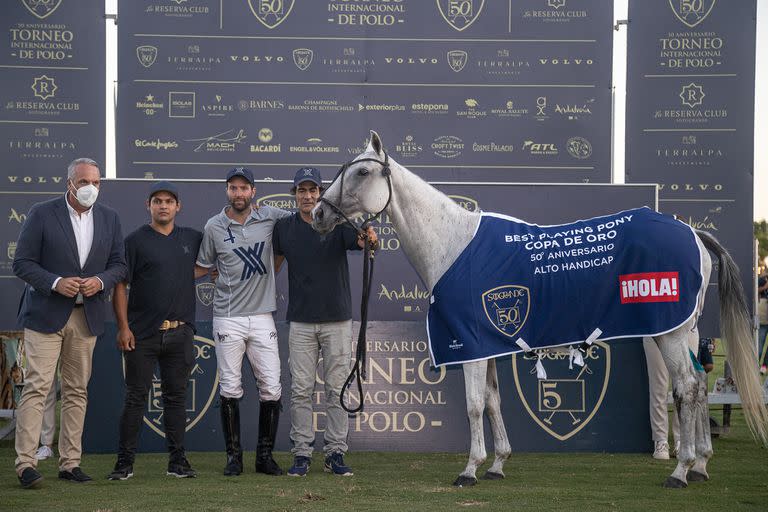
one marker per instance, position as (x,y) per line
(238,241)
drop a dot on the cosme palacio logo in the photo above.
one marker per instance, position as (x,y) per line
(567,400)
(507,307)
(271,13)
(691,12)
(41,8)
(460,14)
(201,388)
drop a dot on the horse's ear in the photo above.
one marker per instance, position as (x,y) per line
(375,144)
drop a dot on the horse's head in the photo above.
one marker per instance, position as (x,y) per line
(361,186)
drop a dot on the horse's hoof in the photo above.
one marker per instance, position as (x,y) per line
(490,475)
(464,481)
(674,483)
(695,476)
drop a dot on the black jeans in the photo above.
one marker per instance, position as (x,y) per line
(173,350)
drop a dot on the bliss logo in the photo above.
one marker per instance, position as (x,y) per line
(252,263)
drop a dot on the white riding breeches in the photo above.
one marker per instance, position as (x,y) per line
(256,337)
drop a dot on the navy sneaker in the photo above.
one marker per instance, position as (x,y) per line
(181,469)
(123,470)
(300,466)
(334,463)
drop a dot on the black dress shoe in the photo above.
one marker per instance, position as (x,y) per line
(30,478)
(75,475)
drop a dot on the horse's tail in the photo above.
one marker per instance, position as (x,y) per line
(737,335)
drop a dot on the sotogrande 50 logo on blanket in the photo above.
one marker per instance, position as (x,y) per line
(507,308)
(567,400)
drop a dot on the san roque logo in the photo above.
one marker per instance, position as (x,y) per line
(507,308)
(568,399)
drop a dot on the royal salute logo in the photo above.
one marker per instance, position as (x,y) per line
(460,14)
(579,147)
(302,57)
(271,13)
(204,292)
(41,8)
(509,109)
(44,87)
(506,308)
(201,391)
(691,12)
(568,399)
(147,55)
(457,59)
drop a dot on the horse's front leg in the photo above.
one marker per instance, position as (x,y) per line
(500,439)
(474,386)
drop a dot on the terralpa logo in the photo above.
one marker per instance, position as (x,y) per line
(251,257)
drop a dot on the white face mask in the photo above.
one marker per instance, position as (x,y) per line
(86,195)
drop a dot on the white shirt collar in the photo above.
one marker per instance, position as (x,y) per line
(74,212)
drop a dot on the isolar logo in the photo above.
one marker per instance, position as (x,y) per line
(251,257)
(650,287)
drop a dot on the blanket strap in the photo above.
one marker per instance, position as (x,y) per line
(541,373)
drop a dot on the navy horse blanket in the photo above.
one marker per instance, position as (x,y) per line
(522,286)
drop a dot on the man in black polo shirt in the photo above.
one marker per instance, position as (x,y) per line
(156,325)
(320,314)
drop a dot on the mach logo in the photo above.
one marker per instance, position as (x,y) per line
(252,263)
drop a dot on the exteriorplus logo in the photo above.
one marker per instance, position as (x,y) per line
(650,287)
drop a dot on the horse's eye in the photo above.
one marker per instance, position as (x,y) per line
(362,172)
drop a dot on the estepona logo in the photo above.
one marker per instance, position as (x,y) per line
(650,287)
(507,308)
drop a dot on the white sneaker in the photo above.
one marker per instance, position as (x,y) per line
(661,450)
(43,453)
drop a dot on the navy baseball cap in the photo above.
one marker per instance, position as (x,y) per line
(307,174)
(243,172)
(163,186)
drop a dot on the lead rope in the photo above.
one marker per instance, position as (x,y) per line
(358,372)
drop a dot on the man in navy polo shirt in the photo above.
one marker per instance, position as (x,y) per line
(320,314)
(156,325)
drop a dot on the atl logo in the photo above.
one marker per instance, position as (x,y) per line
(251,258)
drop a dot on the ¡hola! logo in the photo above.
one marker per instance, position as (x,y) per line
(201,390)
(460,14)
(507,308)
(271,13)
(567,400)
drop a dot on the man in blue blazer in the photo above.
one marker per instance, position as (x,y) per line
(70,253)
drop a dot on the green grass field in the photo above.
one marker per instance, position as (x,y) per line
(540,482)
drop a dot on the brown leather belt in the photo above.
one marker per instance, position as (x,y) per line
(170,324)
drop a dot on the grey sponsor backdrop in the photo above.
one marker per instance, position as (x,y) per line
(462,89)
(52,67)
(408,406)
(690,117)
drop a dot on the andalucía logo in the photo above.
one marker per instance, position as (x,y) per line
(650,287)
(203,384)
(507,307)
(567,400)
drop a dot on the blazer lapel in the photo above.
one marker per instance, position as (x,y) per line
(62,215)
(98,229)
